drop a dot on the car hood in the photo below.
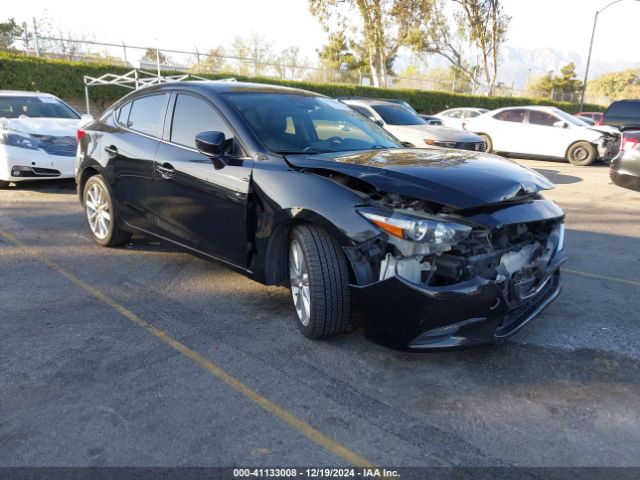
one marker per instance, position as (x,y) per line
(453,178)
(607,129)
(436,132)
(54,127)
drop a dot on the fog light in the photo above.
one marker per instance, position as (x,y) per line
(17,170)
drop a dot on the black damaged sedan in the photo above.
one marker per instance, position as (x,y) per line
(438,248)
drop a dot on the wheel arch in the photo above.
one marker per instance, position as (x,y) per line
(275,263)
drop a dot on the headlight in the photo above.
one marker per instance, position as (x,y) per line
(433,231)
(18,140)
(438,143)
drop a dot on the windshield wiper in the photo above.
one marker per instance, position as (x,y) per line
(306,151)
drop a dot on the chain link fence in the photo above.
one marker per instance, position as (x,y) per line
(195,61)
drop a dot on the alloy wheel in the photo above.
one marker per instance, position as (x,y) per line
(97,210)
(299,276)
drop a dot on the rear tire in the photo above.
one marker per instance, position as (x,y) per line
(581,154)
(4,184)
(488,144)
(100,214)
(319,275)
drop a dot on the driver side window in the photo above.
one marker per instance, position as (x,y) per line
(192,116)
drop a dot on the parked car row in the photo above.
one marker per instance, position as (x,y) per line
(329,198)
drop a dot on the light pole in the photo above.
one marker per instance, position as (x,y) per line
(593,33)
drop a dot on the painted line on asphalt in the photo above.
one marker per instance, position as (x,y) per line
(279,412)
(602,277)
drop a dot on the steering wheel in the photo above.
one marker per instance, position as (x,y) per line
(335,139)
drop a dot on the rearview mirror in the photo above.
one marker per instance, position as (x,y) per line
(561,124)
(213,145)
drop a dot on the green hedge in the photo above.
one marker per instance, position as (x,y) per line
(65,79)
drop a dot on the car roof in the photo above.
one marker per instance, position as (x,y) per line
(229,87)
(541,108)
(22,93)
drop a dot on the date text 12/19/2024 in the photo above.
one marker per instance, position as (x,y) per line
(315,473)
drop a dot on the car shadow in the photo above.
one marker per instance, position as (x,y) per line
(558,178)
(66,186)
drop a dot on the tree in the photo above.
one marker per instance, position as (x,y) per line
(385,26)
(481,24)
(211,62)
(152,55)
(338,53)
(254,54)
(289,64)
(549,86)
(568,81)
(8,31)
(542,86)
(616,85)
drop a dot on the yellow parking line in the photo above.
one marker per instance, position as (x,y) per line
(279,412)
(602,277)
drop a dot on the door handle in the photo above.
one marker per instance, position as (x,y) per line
(111,150)
(165,170)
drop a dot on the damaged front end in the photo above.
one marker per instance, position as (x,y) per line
(440,279)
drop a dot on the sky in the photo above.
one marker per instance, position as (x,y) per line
(562,24)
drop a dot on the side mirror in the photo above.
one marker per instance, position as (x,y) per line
(213,145)
(561,124)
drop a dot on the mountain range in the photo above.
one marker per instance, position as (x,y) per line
(517,64)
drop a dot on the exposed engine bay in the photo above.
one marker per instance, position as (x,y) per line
(516,256)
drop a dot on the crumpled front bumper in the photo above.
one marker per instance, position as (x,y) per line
(404,315)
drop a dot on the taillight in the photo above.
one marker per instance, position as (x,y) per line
(599,123)
(80,134)
(629,143)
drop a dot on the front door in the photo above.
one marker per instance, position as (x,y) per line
(197,204)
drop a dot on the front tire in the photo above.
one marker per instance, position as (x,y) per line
(488,144)
(4,184)
(581,154)
(319,275)
(101,215)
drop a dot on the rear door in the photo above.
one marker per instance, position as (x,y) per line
(508,131)
(197,205)
(544,138)
(129,152)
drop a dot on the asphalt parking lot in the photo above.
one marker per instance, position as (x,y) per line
(144,355)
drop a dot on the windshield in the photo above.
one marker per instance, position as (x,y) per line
(36,107)
(570,118)
(397,115)
(297,123)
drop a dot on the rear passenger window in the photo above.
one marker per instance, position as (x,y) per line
(146,114)
(192,116)
(516,116)
(541,118)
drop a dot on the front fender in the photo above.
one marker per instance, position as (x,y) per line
(283,198)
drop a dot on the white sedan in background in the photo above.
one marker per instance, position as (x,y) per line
(407,126)
(457,117)
(37,137)
(544,132)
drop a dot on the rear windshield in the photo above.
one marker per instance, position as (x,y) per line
(397,115)
(625,109)
(36,107)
